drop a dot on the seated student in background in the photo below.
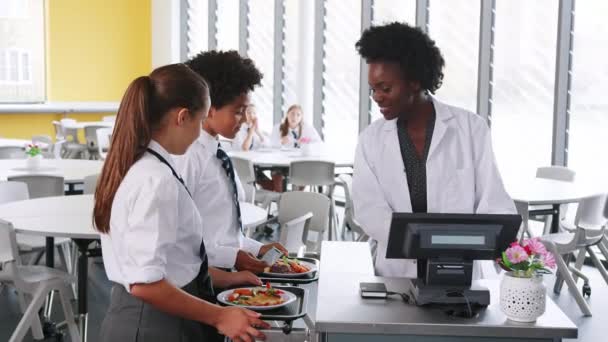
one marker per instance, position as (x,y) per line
(152,242)
(293,128)
(425,155)
(207,169)
(249,136)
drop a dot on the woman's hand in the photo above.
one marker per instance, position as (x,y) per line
(244,278)
(240,324)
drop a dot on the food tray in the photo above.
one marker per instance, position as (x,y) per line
(309,278)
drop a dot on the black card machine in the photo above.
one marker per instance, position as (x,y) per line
(445,246)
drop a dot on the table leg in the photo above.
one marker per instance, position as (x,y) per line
(50,251)
(523,211)
(83,270)
(555,219)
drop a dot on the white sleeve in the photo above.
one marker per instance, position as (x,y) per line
(490,194)
(372,211)
(275,137)
(152,230)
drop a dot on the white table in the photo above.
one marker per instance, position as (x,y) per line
(541,191)
(269,158)
(83,124)
(14,142)
(71,217)
(72,170)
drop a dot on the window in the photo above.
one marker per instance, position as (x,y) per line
(198,29)
(589,105)
(22,68)
(524,79)
(260,48)
(386,11)
(341,75)
(227,25)
(454,25)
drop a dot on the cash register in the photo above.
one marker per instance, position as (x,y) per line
(445,246)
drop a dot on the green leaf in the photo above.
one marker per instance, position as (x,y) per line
(506,261)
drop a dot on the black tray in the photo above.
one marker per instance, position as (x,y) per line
(309,278)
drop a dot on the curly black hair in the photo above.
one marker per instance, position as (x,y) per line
(227,73)
(414,51)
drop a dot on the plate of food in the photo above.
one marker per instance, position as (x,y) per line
(290,268)
(258,298)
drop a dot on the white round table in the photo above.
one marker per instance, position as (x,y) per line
(270,158)
(72,170)
(72,217)
(14,142)
(541,191)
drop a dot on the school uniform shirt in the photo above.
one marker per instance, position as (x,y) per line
(241,135)
(461,177)
(155,229)
(212,192)
(293,135)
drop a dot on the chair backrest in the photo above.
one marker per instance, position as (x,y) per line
(44,139)
(90,134)
(295,204)
(312,172)
(349,208)
(8,243)
(244,168)
(11,152)
(59,135)
(69,133)
(41,185)
(90,183)
(556,172)
(591,212)
(13,191)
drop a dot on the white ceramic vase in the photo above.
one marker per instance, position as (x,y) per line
(33,163)
(522,299)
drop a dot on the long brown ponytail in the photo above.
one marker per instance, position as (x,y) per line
(141,111)
(284,127)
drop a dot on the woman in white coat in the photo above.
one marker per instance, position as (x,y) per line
(424,156)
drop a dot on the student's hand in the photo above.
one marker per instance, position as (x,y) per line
(245,278)
(240,324)
(284,140)
(248,262)
(269,246)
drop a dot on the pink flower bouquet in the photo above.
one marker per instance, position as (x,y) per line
(32,150)
(527,259)
(305,140)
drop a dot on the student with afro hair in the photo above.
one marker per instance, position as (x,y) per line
(208,171)
(424,156)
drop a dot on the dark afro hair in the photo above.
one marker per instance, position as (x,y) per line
(414,51)
(228,74)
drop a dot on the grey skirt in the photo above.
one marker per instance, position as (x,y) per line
(131,319)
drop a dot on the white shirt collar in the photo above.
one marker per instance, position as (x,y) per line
(208,141)
(156,147)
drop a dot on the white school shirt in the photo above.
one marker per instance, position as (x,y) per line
(212,192)
(155,228)
(308,131)
(461,177)
(241,135)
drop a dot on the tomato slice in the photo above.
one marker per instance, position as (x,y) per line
(233,296)
(244,292)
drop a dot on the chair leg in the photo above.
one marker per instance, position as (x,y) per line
(63,251)
(36,324)
(65,297)
(30,315)
(598,264)
(567,277)
(559,280)
(580,259)
(523,210)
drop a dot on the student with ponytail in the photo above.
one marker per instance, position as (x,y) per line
(152,240)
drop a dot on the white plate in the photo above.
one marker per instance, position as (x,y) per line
(312,268)
(287,297)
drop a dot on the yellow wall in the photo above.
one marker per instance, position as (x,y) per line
(94,49)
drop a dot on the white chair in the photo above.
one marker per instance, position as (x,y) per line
(346,181)
(36,282)
(41,185)
(42,140)
(90,134)
(90,183)
(317,173)
(590,227)
(70,148)
(264,198)
(12,152)
(559,173)
(104,136)
(297,224)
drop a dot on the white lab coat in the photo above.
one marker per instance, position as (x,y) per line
(461,171)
